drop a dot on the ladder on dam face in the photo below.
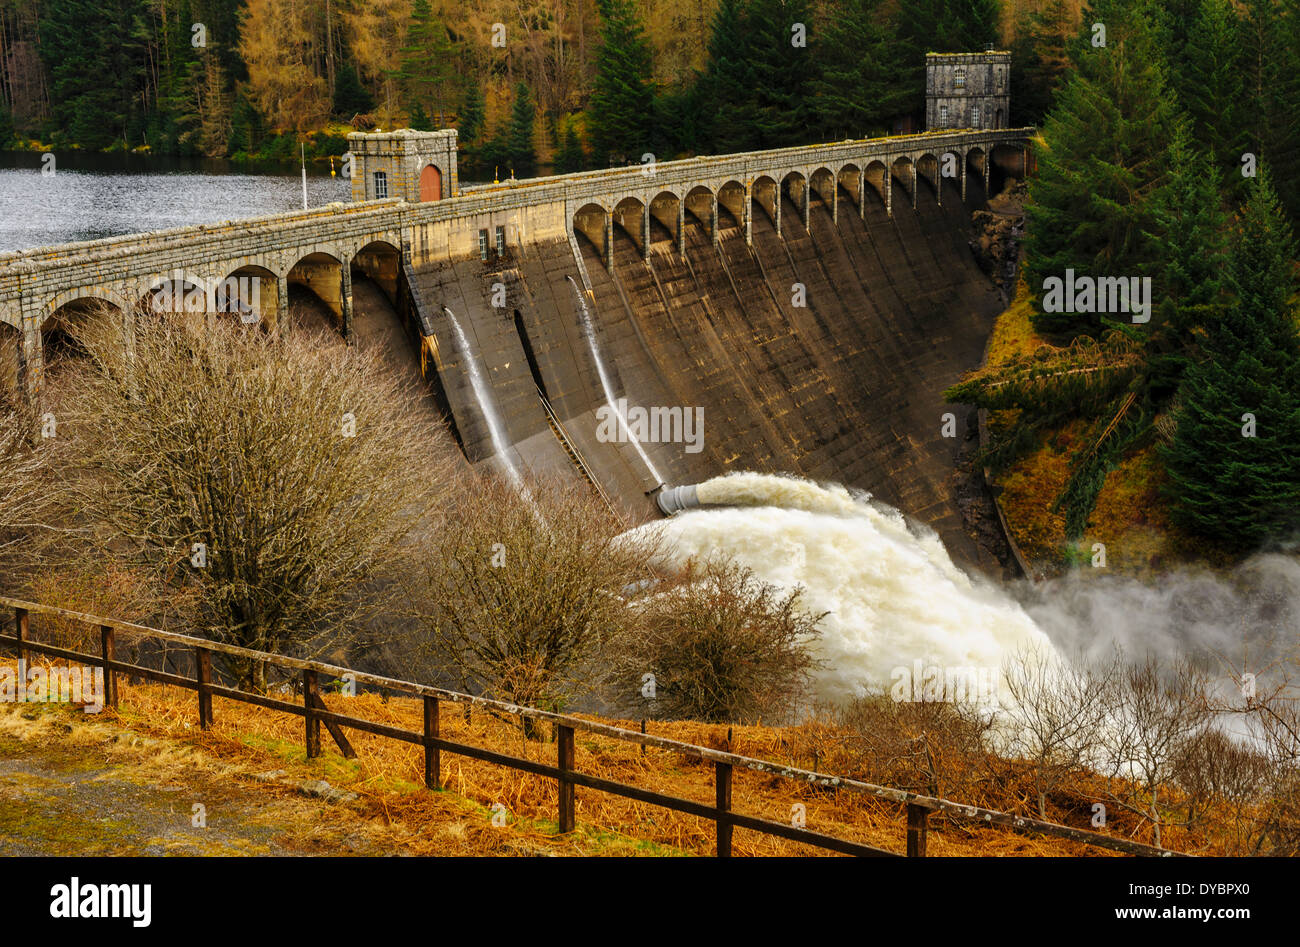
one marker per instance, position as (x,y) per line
(571,449)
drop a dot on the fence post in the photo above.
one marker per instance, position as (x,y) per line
(106,651)
(313,723)
(432,755)
(21,629)
(722,772)
(203,673)
(564,752)
(917,829)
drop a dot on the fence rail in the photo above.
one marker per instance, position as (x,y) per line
(314,712)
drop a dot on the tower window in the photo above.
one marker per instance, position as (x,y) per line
(959,79)
(974,116)
(381,184)
(482,245)
(501,241)
(943,115)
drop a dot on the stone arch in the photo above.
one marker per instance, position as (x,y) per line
(822,183)
(849,177)
(179,292)
(731,198)
(977,164)
(82,295)
(1006,162)
(380,261)
(250,293)
(11,342)
(321,274)
(629,215)
(430,183)
(927,169)
(65,319)
(665,209)
(877,175)
(795,186)
(902,170)
(592,221)
(765,195)
(699,202)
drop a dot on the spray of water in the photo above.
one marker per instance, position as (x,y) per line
(486,403)
(589,330)
(892,594)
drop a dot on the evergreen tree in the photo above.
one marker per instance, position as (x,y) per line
(426,66)
(1106,156)
(1212,90)
(570,157)
(472,115)
(1271,41)
(520,149)
(1241,490)
(6,126)
(782,73)
(350,96)
(1039,59)
(419,121)
(92,51)
(622,94)
(727,83)
(857,92)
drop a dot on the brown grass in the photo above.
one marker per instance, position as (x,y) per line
(388,777)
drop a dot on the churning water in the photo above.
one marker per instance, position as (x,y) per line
(892,594)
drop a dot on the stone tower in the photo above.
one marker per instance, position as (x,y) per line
(968,90)
(409,165)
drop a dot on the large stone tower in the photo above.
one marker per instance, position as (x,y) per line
(406,164)
(967,90)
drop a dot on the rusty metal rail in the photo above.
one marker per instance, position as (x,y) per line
(314,712)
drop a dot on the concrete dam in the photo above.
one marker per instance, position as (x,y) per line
(808,305)
(821,351)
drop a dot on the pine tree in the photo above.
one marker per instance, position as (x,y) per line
(1105,157)
(857,91)
(426,66)
(1212,90)
(1271,40)
(622,95)
(570,157)
(519,136)
(6,126)
(782,73)
(419,121)
(726,87)
(1238,490)
(1039,59)
(350,96)
(472,115)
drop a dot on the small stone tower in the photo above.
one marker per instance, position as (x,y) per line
(968,90)
(406,164)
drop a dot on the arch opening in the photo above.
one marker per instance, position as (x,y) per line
(590,221)
(380,262)
(316,291)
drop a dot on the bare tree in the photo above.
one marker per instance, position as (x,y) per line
(24,495)
(1054,716)
(721,646)
(523,589)
(1152,717)
(279,480)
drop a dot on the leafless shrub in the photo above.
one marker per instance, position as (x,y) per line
(1152,719)
(25,497)
(278,480)
(521,592)
(938,748)
(1054,715)
(722,645)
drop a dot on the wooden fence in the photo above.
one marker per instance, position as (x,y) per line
(314,712)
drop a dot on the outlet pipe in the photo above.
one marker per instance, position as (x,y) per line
(672,500)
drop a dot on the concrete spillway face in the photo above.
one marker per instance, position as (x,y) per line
(486,403)
(589,330)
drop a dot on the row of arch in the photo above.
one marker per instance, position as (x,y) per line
(669,207)
(254,293)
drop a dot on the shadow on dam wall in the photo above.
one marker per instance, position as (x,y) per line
(848,387)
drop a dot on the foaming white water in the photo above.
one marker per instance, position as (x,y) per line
(486,404)
(589,330)
(893,595)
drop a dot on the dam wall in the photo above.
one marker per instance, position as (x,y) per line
(822,351)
